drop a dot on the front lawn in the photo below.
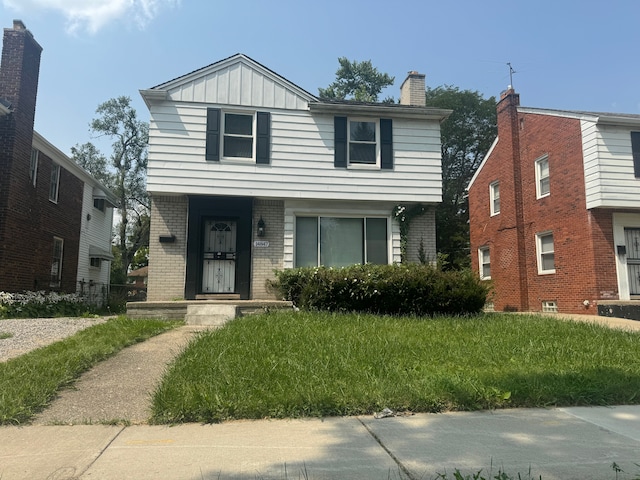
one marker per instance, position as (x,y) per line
(313,364)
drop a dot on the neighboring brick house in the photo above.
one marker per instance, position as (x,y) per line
(249,173)
(554,210)
(55,219)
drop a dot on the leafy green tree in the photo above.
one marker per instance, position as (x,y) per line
(124,172)
(359,81)
(466,137)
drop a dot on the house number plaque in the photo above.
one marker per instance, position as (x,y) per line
(261,243)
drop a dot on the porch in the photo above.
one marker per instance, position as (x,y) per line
(629,309)
(203,312)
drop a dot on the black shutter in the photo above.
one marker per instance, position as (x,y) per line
(635,149)
(263,137)
(212,152)
(340,141)
(386,143)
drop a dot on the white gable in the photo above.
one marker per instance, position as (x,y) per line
(237,80)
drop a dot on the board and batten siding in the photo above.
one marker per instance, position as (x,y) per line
(301,165)
(237,84)
(608,166)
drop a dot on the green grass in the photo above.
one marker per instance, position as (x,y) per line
(303,364)
(29,382)
(4,335)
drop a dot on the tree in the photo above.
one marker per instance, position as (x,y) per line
(466,137)
(355,80)
(124,172)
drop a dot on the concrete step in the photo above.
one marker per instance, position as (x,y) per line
(210,314)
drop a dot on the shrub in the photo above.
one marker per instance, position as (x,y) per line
(386,289)
(42,304)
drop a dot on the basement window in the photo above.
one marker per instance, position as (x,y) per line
(549,306)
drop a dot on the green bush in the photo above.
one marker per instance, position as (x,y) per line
(42,304)
(386,289)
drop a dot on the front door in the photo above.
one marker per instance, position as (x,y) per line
(632,241)
(219,262)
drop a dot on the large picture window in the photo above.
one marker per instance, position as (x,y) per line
(340,241)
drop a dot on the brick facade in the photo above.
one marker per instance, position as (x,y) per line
(29,221)
(582,239)
(168,260)
(421,230)
(264,260)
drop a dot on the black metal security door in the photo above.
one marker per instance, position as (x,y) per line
(632,241)
(219,262)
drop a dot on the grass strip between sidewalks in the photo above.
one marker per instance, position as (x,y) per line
(314,364)
(29,382)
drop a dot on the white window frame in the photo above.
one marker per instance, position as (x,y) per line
(54,185)
(33,166)
(482,262)
(539,178)
(56,278)
(318,216)
(224,135)
(376,122)
(549,306)
(494,188)
(540,253)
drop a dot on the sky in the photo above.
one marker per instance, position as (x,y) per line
(567,54)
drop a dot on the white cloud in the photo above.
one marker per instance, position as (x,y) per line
(93,15)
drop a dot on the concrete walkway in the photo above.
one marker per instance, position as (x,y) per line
(563,443)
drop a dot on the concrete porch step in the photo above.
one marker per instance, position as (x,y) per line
(210,314)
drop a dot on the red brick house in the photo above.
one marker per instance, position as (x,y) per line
(555,211)
(55,219)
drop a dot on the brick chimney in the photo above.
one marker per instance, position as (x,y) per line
(412,90)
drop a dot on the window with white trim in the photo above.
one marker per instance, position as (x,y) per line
(494,197)
(341,241)
(484,262)
(542,177)
(545,253)
(33,166)
(55,183)
(238,134)
(549,306)
(56,262)
(363,144)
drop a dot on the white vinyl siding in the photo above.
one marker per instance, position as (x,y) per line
(302,160)
(608,166)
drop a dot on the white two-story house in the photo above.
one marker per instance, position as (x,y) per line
(249,173)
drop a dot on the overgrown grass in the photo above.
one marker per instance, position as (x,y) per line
(309,364)
(29,382)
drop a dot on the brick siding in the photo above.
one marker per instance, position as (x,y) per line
(264,260)
(422,229)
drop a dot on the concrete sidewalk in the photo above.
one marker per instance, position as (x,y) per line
(565,443)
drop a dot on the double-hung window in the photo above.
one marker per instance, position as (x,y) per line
(546,253)
(340,241)
(363,142)
(33,166)
(494,198)
(363,145)
(635,150)
(542,177)
(56,262)
(238,135)
(55,183)
(484,261)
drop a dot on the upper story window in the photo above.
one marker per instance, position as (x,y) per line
(545,253)
(635,149)
(542,177)
(494,198)
(238,135)
(55,183)
(363,147)
(484,260)
(33,166)
(363,141)
(99,203)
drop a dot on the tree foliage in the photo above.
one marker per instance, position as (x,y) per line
(359,81)
(124,172)
(466,137)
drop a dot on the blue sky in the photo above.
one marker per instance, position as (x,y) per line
(568,54)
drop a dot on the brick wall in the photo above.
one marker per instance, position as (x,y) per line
(267,259)
(422,228)
(167,261)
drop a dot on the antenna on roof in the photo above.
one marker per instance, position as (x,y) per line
(511,72)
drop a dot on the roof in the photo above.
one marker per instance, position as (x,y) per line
(378,108)
(140,272)
(597,117)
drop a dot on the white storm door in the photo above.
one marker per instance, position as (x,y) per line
(219,267)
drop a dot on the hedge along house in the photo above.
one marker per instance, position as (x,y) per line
(249,173)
